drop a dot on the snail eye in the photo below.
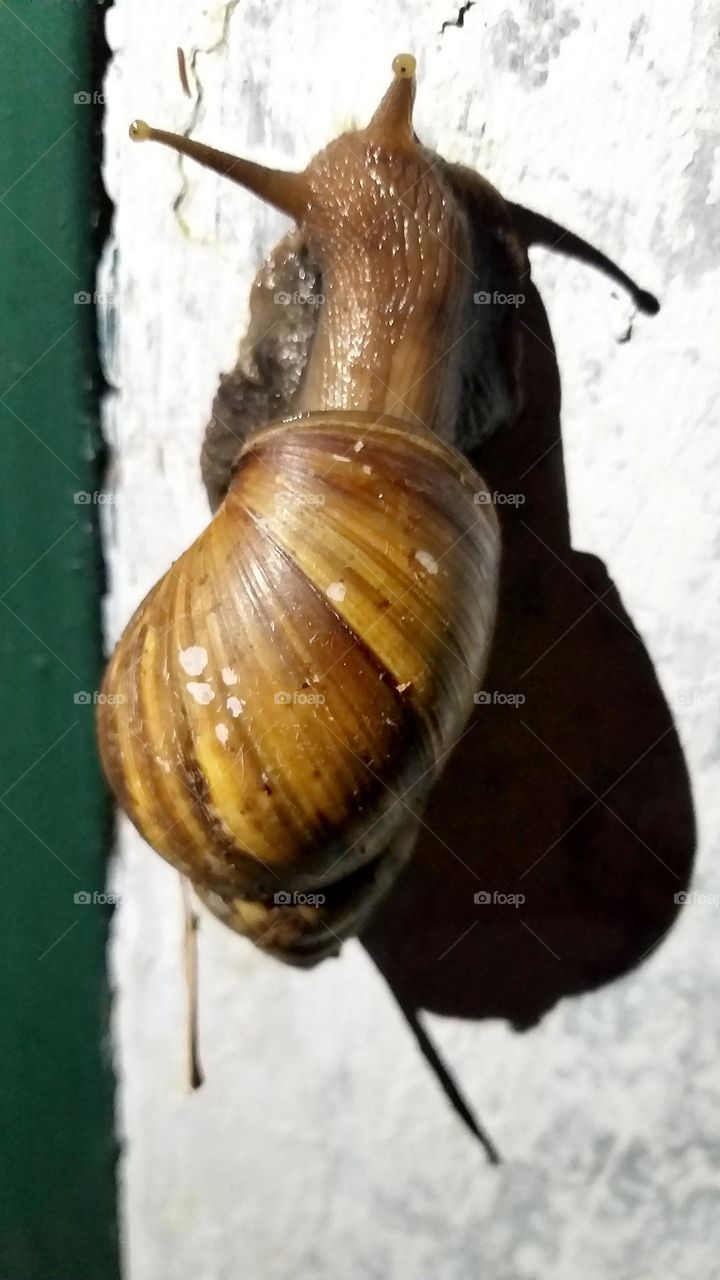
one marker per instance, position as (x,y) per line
(404,66)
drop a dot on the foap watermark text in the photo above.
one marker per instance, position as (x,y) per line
(484,898)
(283,898)
(494,697)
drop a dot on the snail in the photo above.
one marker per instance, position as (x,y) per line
(312,658)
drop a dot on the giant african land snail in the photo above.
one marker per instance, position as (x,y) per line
(313,656)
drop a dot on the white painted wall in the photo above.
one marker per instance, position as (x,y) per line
(321,1145)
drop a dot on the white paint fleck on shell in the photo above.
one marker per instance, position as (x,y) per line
(367,470)
(193,660)
(340,457)
(222,733)
(235,706)
(202,693)
(427,561)
(229,676)
(336,591)
(359,444)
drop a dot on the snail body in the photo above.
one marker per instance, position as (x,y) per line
(312,658)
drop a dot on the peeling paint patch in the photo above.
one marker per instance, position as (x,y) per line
(428,562)
(193,660)
(529,50)
(202,693)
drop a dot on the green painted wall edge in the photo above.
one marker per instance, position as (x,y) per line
(57,1150)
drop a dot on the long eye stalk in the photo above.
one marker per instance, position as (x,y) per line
(290,192)
(286,191)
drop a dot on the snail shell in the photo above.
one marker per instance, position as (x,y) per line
(311,659)
(308,659)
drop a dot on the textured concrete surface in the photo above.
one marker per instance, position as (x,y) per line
(321,1143)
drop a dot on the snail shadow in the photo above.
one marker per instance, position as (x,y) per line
(576,798)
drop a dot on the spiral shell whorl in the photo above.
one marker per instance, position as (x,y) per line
(308,659)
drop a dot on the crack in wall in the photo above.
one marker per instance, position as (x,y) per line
(459,19)
(220,44)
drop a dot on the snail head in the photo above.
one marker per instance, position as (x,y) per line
(373,194)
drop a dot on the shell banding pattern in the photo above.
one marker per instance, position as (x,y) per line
(308,659)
